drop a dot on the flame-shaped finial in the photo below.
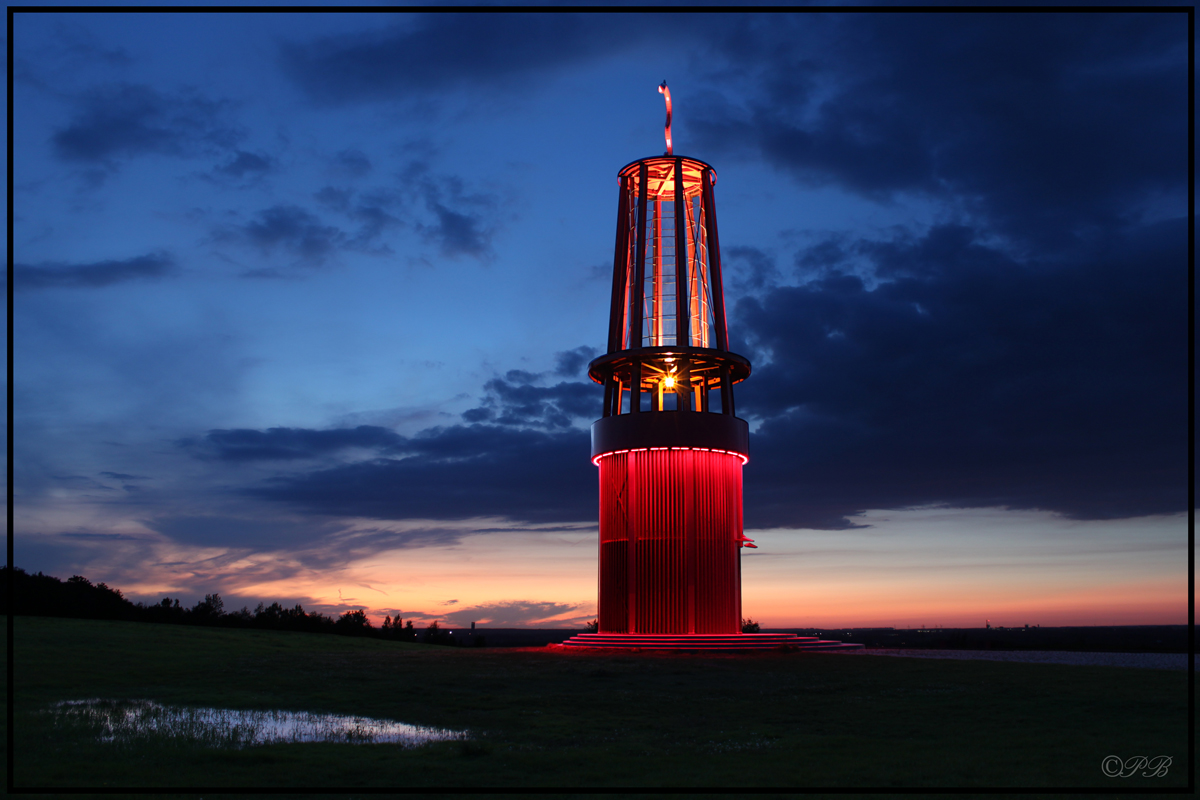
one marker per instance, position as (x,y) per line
(666,93)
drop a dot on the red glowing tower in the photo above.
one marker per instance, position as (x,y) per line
(669,447)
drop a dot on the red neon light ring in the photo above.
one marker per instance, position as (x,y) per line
(745,458)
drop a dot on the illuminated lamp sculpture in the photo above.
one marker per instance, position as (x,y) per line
(669,447)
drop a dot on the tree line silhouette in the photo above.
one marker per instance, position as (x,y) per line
(46,596)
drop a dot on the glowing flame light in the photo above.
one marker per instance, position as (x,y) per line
(666,93)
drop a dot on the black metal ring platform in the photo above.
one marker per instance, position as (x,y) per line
(670,429)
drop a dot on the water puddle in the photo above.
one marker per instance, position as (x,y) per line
(126,720)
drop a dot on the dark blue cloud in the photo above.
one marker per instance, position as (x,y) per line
(121,476)
(312,542)
(517,399)
(456,234)
(292,229)
(440,51)
(334,198)
(354,163)
(749,269)
(961,375)
(1050,126)
(512,468)
(244,164)
(372,210)
(215,530)
(91,276)
(1031,353)
(373,218)
(440,208)
(970,378)
(464,222)
(103,537)
(570,363)
(514,400)
(123,120)
(285,444)
(457,472)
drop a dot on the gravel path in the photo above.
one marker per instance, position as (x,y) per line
(1144,660)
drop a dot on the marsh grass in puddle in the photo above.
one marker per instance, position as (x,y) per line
(127,721)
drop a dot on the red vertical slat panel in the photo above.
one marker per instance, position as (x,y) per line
(669,525)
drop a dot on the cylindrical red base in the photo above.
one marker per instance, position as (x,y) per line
(670,526)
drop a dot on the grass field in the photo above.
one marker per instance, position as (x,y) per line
(545,718)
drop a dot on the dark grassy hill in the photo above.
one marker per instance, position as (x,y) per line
(547,718)
(1091,639)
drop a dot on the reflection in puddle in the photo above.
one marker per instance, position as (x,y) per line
(123,720)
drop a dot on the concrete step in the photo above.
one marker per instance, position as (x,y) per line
(704,641)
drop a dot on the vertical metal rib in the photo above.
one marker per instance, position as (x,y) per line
(620,270)
(694,518)
(726,390)
(683,306)
(734,500)
(683,386)
(714,261)
(654,246)
(698,271)
(639,264)
(635,388)
(634,489)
